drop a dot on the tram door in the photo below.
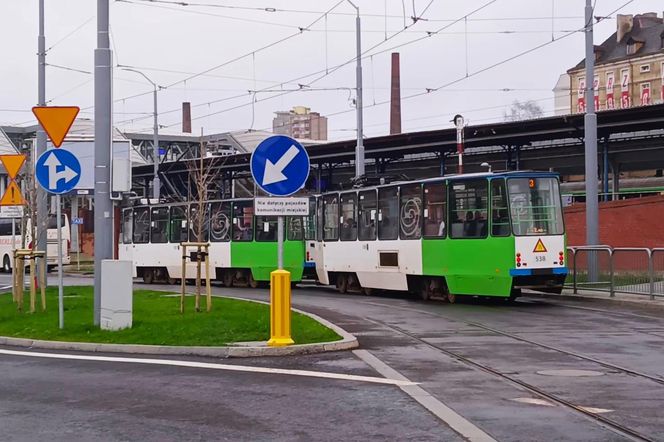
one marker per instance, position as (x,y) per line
(315,248)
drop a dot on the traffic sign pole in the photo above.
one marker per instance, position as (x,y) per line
(61,305)
(279,166)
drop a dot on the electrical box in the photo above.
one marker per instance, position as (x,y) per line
(116,294)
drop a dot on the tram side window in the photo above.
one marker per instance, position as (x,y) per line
(500,220)
(310,221)
(178,224)
(199,222)
(159,225)
(348,218)
(266,228)
(367,214)
(410,215)
(220,222)
(388,213)
(295,228)
(331,218)
(127,220)
(141,225)
(435,210)
(243,217)
(468,209)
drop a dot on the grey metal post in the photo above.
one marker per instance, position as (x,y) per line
(103,115)
(155,135)
(40,147)
(590,125)
(280,242)
(58,226)
(359,149)
(155,142)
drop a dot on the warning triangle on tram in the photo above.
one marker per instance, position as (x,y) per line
(56,121)
(12,196)
(539,247)
(12,164)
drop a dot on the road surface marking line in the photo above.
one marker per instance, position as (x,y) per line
(454,420)
(213,366)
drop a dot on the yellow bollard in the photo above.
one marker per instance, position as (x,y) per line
(280,305)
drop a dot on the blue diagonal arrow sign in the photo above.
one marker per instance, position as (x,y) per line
(280,165)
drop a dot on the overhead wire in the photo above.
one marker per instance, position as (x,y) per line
(477,72)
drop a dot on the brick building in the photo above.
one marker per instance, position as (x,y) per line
(629,66)
(300,122)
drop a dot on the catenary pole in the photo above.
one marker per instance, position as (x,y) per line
(40,194)
(103,247)
(359,149)
(590,125)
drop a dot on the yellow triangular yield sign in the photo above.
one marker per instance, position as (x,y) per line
(56,121)
(12,196)
(539,247)
(13,164)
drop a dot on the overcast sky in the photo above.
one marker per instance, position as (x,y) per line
(170,43)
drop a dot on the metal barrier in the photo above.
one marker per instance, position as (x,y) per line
(632,270)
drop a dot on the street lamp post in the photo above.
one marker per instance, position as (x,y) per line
(359,149)
(155,137)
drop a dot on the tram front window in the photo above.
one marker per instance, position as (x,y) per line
(535,206)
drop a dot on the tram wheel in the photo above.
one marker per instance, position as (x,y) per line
(342,283)
(251,281)
(451,298)
(148,276)
(425,290)
(228,278)
(367,291)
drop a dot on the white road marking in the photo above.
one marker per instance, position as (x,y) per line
(454,420)
(533,401)
(596,410)
(213,366)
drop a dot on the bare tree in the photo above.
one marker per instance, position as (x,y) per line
(203,175)
(523,111)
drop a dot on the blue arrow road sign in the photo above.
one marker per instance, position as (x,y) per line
(57,171)
(280,165)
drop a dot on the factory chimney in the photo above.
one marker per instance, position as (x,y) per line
(395,96)
(186,117)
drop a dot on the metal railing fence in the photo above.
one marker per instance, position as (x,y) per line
(632,270)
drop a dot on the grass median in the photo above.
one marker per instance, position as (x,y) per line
(156,320)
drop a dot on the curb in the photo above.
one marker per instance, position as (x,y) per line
(645,302)
(347,342)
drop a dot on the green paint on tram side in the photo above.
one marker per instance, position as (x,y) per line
(261,258)
(156,321)
(471,266)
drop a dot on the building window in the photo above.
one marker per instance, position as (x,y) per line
(644,68)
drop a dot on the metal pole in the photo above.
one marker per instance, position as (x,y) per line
(156,185)
(155,142)
(58,226)
(13,264)
(103,115)
(359,149)
(42,209)
(458,121)
(280,242)
(590,125)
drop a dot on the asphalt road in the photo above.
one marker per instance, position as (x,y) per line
(536,370)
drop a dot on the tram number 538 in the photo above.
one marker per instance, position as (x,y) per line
(540,258)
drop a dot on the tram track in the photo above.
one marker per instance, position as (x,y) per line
(603,421)
(657,379)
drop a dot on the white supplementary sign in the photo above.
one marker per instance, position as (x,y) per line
(281,206)
(11,212)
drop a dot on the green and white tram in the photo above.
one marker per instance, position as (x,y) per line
(243,247)
(487,234)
